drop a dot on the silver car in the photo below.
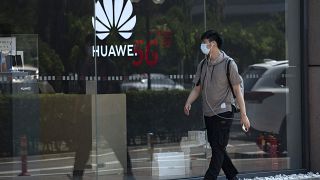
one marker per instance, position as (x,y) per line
(139,82)
(265,94)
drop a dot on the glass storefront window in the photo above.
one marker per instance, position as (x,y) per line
(97,88)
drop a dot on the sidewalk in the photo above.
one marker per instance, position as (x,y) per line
(306,176)
(309,176)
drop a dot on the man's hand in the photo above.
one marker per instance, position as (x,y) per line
(192,97)
(187,108)
(245,121)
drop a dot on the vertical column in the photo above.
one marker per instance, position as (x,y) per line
(293,116)
(313,15)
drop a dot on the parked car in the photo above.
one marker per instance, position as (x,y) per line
(17,77)
(138,82)
(265,96)
(19,80)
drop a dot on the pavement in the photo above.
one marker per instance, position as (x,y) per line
(188,158)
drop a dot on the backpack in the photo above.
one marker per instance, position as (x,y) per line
(235,105)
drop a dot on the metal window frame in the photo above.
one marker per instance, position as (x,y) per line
(305,118)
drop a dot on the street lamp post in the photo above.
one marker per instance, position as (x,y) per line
(205,15)
(148,39)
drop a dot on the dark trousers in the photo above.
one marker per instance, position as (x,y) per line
(218,130)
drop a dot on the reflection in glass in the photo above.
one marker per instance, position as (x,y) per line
(76,122)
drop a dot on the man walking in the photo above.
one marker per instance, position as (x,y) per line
(217,102)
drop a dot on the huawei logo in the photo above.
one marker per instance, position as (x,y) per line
(114,15)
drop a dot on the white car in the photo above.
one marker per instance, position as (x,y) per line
(265,96)
(159,82)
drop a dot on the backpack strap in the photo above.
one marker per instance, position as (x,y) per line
(198,83)
(228,76)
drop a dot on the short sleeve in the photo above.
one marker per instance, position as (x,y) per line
(235,78)
(196,80)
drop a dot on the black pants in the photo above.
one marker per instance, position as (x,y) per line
(218,130)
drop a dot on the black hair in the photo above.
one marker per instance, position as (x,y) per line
(212,35)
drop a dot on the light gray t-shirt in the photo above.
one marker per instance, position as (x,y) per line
(216,92)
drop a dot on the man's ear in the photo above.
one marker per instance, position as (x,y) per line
(214,43)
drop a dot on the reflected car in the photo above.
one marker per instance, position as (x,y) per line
(265,96)
(23,80)
(19,80)
(139,82)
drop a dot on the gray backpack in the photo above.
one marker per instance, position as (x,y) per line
(235,105)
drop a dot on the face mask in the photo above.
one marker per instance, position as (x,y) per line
(204,49)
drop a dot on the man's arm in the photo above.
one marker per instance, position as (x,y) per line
(194,94)
(240,100)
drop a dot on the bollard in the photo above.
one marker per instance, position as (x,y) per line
(24,153)
(260,141)
(150,145)
(274,152)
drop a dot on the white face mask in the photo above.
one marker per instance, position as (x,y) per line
(204,49)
